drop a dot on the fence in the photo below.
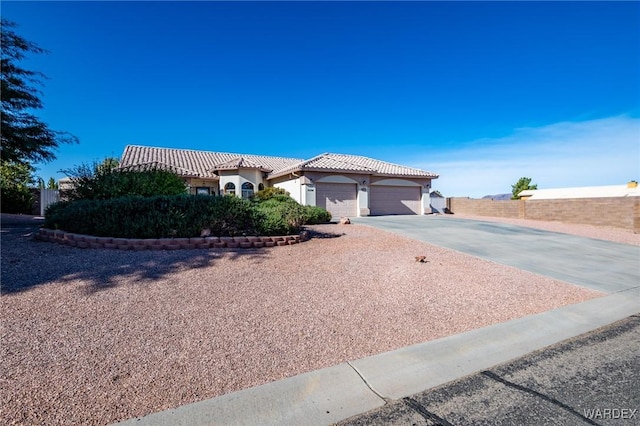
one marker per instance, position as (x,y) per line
(617,212)
(42,198)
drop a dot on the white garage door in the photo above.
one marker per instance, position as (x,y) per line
(395,200)
(338,198)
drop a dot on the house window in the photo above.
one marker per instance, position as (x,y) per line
(202,190)
(260,187)
(230,189)
(247,190)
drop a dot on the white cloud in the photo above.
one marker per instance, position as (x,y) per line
(589,153)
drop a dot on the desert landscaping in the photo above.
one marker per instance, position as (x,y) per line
(96,336)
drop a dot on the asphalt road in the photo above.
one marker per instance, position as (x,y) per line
(592,379)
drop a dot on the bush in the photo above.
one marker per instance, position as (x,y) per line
(16,199)
(315,215)
(182,216)
(15,195)
(268,193)
(106,183)
(154,217)
(280,216)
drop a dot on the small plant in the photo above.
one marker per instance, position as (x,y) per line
(268,193)
(315,215)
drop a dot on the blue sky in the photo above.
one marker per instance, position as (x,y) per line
(481,93)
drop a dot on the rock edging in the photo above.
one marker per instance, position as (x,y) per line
(88,241)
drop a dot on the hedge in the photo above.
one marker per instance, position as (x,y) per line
(182,216)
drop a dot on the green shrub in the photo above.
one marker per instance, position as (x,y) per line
(268,193)
(154,217)
(105,183)
(315,215)
(15,195)
(280,216)
(182,216)
(16,199)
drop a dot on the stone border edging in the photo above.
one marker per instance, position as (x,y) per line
(88,241)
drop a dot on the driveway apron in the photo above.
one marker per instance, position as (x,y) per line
(596,264)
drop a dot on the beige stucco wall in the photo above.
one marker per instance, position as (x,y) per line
(617,212)
(194,183)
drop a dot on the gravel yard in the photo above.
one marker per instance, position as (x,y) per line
(97,336)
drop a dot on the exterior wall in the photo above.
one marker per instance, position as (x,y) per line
(238,177)
(616,212)
(494,208)
(229,177)
(620,212)
(293,187)
(254,177)
(194,183)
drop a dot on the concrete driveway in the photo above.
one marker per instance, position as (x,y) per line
(596,264)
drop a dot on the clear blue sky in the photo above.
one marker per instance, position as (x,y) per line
(481,93)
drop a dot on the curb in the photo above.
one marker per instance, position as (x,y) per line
(138,244)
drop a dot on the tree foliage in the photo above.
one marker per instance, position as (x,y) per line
(522,184)
(103,181)
(52,184)
(15,180)
(25,138)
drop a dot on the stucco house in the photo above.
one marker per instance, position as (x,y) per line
(345,185)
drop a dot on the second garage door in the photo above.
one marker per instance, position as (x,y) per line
(395,200)
(337,198)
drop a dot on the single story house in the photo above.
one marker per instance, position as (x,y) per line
(345,185)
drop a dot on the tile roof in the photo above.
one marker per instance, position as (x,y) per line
(204,163)
(155,165)
(200,163)
(240,163)
(354,163)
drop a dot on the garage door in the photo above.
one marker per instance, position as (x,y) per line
(338,198)
(395,200)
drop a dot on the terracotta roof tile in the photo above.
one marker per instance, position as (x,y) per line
(238,163)
(354,163)
(205,163)
(202,163)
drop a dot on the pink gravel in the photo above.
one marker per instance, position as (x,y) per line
(617,235)
(98,336)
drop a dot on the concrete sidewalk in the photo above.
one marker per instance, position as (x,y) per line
(399,382)
(588,380)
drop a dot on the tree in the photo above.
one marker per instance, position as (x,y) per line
(523,183)
(52,184)
(15,179)
(25,138)
(103,181)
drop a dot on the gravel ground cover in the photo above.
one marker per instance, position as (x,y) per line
(97,336)
(617,235)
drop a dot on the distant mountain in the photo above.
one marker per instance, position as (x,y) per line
(498,197)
